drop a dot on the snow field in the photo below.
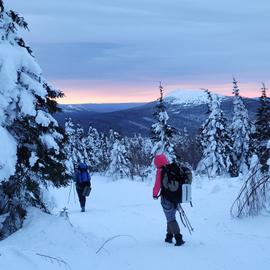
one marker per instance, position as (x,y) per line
(126,208)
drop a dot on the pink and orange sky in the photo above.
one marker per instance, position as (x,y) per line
(118,51)
(77,92)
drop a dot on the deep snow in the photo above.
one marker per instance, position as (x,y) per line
(126,208)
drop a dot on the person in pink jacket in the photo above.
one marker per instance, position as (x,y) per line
(169,207)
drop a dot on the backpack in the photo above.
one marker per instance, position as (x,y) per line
(83,176)
(176,183)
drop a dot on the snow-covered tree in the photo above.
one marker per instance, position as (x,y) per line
(262,133)
(139,154)
(93,147)
(215,141)
(105,153)
(70,149)
(34,143)
(119,166)
(240,134)
(161,131)
(81,154)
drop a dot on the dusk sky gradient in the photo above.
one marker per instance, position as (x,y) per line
(118,51)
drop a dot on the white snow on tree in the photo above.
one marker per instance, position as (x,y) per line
(215,141)
(241,132)
(119,166)
(81,154)
(34,155)
(94,148)
(262,133)
(139,153)
(70,146)
(162,132)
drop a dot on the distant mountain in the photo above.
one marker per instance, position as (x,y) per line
(98,108)
(188,97)
(186,109)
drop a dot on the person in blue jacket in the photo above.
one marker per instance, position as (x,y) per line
(83,184)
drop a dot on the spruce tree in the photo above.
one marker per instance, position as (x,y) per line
(27,103)
(241,133)
(262,133)
(215,141)
(161,132)
(70,145)
(120,165)
(139,153)
(93,148)
(80,146)
(105,153)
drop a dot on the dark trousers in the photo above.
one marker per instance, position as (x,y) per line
(169,209)
(80,187)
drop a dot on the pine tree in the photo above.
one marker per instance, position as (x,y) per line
(70,146)
(93,148)
(119,166)
(262,133)
(241,132)
(215,141)
(139,153)
(26,108)
(81,154)
(161,132)
(105,153)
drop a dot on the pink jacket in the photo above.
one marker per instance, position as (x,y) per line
(159,161)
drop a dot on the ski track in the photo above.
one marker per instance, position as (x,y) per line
(125,210)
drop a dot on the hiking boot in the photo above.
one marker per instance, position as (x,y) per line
(179,240)
(83,209)
(169,237)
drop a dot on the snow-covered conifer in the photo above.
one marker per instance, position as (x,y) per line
(36,154)
(93,147)
(105,153)
(215,141)
(262,133)
(240,134)
(81,154)
(161,131)
(119,166)
(139,153)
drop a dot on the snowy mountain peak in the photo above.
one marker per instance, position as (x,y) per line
(187,97)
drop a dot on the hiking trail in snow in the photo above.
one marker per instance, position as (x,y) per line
(124,228)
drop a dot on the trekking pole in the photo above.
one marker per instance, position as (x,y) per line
(74,193)
(69,192)
(184,218)
(187,221)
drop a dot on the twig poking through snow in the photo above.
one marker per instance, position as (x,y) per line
(53,259)
(110,239)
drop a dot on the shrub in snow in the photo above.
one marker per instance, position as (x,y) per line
(162,132)
(240,134)
(215,141)
(254,195)
(34,155)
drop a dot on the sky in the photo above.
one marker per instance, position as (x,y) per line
(118,50)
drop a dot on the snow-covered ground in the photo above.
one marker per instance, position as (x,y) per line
(126,209)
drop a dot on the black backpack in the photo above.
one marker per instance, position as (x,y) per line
(176,180)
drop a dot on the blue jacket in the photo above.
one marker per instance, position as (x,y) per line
(82,174)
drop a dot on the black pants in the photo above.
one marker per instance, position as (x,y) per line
(80,187)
